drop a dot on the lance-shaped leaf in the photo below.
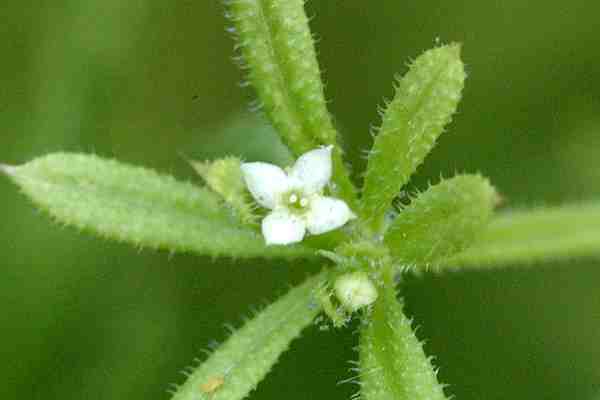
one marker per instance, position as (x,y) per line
(278,50)
(238,365)
(426,98)
(528,237)
(441,221)
(137,206)
(393,365)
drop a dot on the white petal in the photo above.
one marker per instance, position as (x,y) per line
(312,170)
(265,181)
(281,227)
(326,214)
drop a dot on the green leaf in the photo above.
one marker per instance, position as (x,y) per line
(278,48)
(393,365)
(238,365)
(224,176)
(138,206)
(426,98)
(528,237)
(442,221)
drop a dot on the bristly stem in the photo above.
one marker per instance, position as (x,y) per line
(393,365)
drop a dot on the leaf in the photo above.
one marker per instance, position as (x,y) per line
(426,98)
(528,237)
(393,365)
(138,206)
(442,221)
(278,49)
(238,365)
(224,176)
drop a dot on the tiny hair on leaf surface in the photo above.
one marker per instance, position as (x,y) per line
(138,206)
(532,237)
(393,365)
(365,243)
(426,98)
(241,362)
(441,221)
(278,48)
(278,52)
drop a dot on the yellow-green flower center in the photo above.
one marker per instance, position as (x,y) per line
(296,201)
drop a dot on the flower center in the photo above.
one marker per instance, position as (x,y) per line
(296,202)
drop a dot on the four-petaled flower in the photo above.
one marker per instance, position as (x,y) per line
(296,197)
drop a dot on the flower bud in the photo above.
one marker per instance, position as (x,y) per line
(355,290)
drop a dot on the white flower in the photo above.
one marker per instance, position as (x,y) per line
(296,197)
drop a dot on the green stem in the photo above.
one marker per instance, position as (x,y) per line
(393,365)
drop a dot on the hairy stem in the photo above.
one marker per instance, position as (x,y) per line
(393,365)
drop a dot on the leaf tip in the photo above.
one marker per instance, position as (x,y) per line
(455,48)
(9,170)
(201,167)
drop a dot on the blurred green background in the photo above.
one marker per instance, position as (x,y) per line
(145,81)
